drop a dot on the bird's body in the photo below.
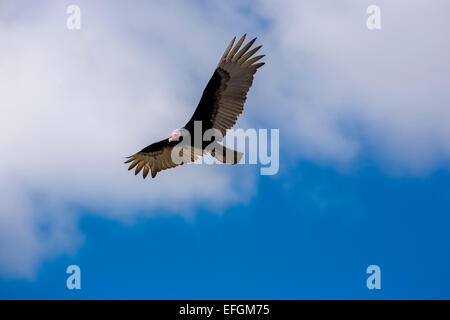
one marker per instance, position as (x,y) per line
(220,105)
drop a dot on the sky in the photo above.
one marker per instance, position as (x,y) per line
(364,152)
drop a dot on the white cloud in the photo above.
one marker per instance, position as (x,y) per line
(353,92)
(74,103)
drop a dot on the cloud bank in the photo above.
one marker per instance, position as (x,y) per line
(353,92)
(74,103)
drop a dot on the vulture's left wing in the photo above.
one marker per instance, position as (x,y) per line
(224,96)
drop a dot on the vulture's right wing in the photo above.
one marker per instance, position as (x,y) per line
(157,157)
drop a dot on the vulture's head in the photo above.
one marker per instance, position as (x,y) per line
(175,135)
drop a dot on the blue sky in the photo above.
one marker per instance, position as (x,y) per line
(285,244)
(364,152)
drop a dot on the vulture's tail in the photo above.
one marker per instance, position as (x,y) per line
(227,155)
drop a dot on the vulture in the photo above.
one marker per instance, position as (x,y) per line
(220,106)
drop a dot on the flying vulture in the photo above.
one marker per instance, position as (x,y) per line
(220,105)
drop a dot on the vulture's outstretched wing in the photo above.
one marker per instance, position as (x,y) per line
(157,157)
(224,96)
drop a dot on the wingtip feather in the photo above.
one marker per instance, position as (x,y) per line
(243,50)
(227,50)
(132,165)
(145,172)
(139,168)
(246,56)
(252,60)
(236,48)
